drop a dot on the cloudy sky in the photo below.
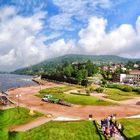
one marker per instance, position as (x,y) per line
(35,30)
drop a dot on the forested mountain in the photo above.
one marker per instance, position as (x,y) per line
(52,64)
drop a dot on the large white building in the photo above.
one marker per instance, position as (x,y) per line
(132,77)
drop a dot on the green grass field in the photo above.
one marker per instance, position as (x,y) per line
(71,98)
(132,128)
(11,117)
(75,130)
(117,94)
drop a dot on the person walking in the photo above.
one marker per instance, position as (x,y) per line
(119,127)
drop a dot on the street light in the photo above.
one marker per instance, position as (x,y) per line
(40,85)
(18,96)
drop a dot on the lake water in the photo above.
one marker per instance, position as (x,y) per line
(8,81)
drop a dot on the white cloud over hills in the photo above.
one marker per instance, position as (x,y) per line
(122,41)
(22,42)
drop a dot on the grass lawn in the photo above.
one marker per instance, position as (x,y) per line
(71,98)
(132,128)
(75,130)
(117,94)
(10,117)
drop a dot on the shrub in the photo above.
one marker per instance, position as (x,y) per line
(127,89)
(138,90)
(100,90)
(92,89)
(104,82)
(87,92)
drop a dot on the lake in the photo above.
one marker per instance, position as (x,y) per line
(8,81)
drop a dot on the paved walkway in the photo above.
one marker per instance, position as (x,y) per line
(136,116)
(30,125)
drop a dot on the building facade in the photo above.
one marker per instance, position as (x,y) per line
(133,77)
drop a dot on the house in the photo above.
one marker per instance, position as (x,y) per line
(134,76)
(119,78)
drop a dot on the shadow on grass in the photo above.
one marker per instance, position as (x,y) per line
(135,138)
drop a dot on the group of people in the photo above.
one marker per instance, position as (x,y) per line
(110,126)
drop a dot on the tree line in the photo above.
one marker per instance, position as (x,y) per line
(75,73)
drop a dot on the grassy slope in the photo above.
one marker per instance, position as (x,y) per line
(132,128)
(11,117)
(117,94)
(76,130)
(74,99)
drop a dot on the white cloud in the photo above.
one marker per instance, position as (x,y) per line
(20,39)
(122,41)
(138,25)
(60,47)
(80,10)
(60,22)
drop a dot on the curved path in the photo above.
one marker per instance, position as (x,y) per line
(28,99)
(30,125)
(103,96)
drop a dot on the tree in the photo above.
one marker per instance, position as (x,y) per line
(84,82)
(68,70)
(79,76)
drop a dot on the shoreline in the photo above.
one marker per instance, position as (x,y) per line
(13,81)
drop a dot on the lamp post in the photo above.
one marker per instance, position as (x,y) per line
(18,96)
(40,86)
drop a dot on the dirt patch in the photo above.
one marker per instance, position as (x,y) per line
(28,99)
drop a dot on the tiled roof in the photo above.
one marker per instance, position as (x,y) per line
(135,71)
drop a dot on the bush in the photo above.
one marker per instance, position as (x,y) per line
(118,86)
(87,92)
(91,89)
(104,82)
(138,90)
(100,90)
(127,89)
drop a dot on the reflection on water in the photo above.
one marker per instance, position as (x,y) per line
(11,81)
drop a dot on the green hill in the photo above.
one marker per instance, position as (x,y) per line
(53,63)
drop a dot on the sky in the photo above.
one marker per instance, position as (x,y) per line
(32,31)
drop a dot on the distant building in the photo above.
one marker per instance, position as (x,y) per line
(136,66)
(133,77)
(119,78)
(135,72)
(105,68)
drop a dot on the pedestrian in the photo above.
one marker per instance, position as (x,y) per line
(111,131)
(106,130)
(102,123)
(114,117)
(119,127)
(108,121)
(111,120)
(116,123)
(103,129)
(122,129)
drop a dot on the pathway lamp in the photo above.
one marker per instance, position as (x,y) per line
(18,96)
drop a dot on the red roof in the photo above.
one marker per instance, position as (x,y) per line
(134,71)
